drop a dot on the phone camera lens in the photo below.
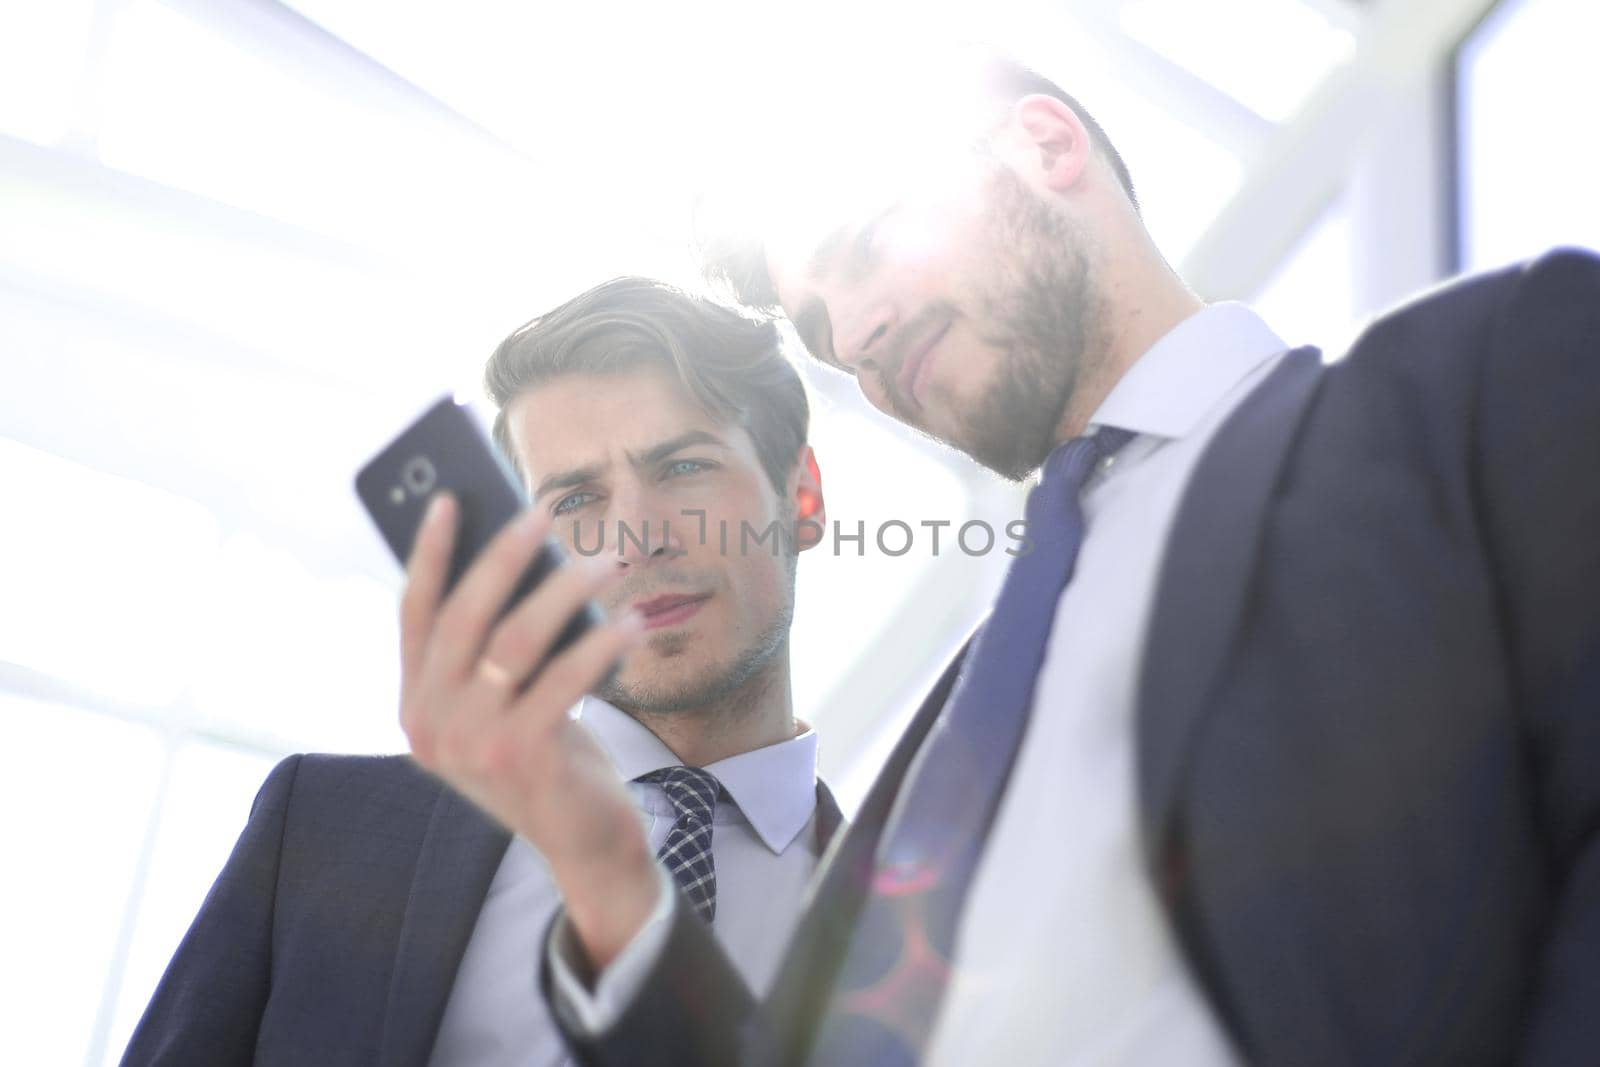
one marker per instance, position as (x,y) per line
(418,475)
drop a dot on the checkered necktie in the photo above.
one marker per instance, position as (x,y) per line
(686,853)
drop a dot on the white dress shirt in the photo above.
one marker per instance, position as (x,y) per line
(1064,953)
(765,844)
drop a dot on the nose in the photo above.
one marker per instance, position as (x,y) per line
(863,339)
(644,532)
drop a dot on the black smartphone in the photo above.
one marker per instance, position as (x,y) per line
(447,448)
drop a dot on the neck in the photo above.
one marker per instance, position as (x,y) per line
(755,714)
(1141,300)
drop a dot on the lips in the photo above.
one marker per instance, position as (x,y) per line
(669,610)
(914,368)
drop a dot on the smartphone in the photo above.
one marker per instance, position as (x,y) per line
(447,448)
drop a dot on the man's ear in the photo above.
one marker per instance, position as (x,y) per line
(805,491)
(1047,143)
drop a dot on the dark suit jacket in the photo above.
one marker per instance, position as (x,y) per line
(1368,722)
(334,932)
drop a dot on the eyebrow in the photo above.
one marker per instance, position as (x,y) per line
(653,454)
(656,453)
(566,480)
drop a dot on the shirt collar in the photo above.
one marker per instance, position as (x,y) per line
(775,787)
(633,749)
(1169,390)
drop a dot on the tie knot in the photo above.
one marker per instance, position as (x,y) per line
(1069,466)
(1066,470)
(693,792)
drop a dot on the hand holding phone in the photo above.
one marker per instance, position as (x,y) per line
(447,450)
(499,640)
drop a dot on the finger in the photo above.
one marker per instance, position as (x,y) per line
(573,673)
(470,610)
(427,569)
(523,639)
(525,636)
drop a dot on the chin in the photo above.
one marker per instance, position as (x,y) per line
(680,685)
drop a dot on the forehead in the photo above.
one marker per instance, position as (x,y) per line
(582,420)
(882,147)
(803,241)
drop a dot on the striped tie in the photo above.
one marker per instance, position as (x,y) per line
(686,853)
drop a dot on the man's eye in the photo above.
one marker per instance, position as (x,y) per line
(679,467)
(571,502)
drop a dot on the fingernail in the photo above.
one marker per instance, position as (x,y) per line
(437,506)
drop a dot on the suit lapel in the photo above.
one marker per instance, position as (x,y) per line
(816,948)
(1205,581)
(829,817)
(460,853)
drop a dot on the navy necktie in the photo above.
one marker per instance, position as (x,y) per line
(893,977)
(686,853)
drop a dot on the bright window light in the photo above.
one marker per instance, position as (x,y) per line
(103,577)
(1268,54)
(871,476)
(297,661)
(79,791)
(1311,297)
(1528,82)
(191,109)
(42,48)
(327,315)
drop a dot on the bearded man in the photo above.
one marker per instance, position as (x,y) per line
(1280,745)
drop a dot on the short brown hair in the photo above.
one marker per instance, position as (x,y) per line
(737,263)
(732,363)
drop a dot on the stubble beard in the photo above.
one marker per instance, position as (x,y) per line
(722,690)
(1045,313)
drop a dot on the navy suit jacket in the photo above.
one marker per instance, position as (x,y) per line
(1368,722)
(335,930)
(333,934)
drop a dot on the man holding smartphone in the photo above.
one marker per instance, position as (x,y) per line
(371,912)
